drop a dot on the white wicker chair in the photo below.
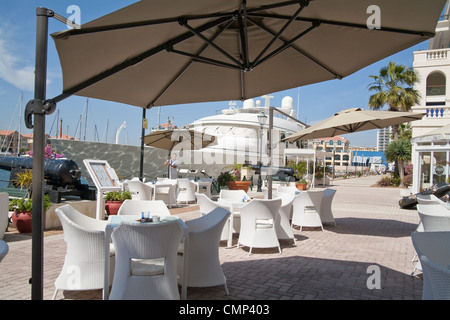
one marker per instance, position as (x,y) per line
(428,199)
(433,217)
(186,191)
(136,207)
(232,195)
(204,268)
(4,248)
(282,221)
(292,190)
(166,193)
(84,265)
(258,224)
(138,189)
(4,210)
(146,261)
(439,278)
(206,206)
(206,189)
(326,214)
(305,211)
(435,246)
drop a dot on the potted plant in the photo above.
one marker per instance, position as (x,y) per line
(301,185)
(300,168)
(114,200)
(231,179)
(22,207)
(22,212)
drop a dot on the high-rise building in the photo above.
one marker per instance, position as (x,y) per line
(384,136)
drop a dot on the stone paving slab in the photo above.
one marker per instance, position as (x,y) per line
(372,233)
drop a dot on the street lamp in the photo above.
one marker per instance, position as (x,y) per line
(262,120)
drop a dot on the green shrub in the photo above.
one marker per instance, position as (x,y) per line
(385,181)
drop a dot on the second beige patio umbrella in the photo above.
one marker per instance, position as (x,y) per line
(168,139)
(354,120)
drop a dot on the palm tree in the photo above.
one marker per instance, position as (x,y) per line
(400,152)
(393,88)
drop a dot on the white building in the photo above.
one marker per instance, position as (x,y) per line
(431,153)
(384,137)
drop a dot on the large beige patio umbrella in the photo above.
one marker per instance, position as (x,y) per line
(159,52)
(354,120)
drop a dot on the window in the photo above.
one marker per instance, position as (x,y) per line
(436,84)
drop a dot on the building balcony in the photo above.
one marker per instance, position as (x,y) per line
(426,58)
(433,112)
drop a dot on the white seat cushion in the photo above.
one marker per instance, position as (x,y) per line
(147,267)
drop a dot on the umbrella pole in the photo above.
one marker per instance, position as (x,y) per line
(141,160)
(42,15)
(269,173)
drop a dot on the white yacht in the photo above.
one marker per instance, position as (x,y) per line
(238,130)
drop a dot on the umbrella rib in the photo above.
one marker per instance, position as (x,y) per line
(280,32)
(345,24)
(184,23)
(263,27)
(198,58)
(134,60)
(285,45)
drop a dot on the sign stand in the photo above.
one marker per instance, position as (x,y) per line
(105,180)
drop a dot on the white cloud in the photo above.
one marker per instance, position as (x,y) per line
(12,69)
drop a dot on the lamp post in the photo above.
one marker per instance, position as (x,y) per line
(262,120)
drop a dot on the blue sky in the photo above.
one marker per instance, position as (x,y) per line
(17,51)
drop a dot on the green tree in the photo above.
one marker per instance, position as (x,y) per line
(400,152)
(394,88)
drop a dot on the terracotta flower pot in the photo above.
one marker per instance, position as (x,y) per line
(239,185)
(301,186)
(22,221)
(112,207)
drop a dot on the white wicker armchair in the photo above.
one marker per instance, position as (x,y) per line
(204,268)
(326,214)
(206,206)
(428,199)
(434,220)
(4,210)
(305,211)
(138,189)
(282,220)
(166,192)
(258,224)
(186,191)
(84,265)
(146,261)
(435,246)
(135,207)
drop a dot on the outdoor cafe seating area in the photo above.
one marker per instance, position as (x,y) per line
(144,252)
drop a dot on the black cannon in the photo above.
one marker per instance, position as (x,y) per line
(279,173)
(62,177)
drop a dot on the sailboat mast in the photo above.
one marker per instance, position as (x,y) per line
(85,119)
(20,125)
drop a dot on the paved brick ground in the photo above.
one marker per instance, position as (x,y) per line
(371,230)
